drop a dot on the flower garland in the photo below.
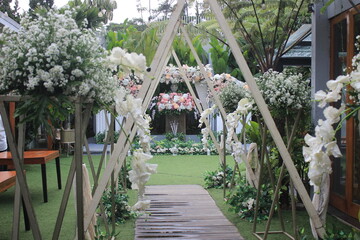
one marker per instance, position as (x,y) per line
(172,74)
(323,145)
(232,122)
(127,104)
(139,175)
(205,131)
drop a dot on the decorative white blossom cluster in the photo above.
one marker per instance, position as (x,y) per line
(232,122)
(250,203)
(284,90)
(323,145)
(233,119)
(139,175)
(126,105)
(205,131)
(355,76)
(52,55)
(172,74)
(131,63)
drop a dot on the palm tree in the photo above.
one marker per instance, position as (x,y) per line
(261,27)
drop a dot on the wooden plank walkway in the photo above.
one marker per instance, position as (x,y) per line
(183,212)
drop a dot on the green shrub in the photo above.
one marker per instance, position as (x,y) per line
(100,137)
(215,179)
(179,136)
(242,200)
(122,208)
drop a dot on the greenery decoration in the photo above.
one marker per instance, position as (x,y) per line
(215,179)
(122,208)
(242,200)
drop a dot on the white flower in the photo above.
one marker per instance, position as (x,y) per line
(244,106)
(325,130)
(332,149)
(238,152)
(141,205)
(333,114)
(333,85)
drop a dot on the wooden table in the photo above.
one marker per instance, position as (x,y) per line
(37,157)
(7,180)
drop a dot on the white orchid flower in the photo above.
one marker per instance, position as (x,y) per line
(333,114)
(332,149)
(333,85)
(325,130)
(244,106)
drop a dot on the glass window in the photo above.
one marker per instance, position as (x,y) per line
(339,68)
(356,163)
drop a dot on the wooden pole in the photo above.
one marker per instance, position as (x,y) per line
(78,170)
(20,174)
(17,198)
(267,117)
(69,182)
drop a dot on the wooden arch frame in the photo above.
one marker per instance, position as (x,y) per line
(121,148)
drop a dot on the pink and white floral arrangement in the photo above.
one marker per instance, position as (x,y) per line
(174,102)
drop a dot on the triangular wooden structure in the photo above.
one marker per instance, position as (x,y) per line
(120,150)
(149,86)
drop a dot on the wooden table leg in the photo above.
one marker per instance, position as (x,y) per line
(58,172)
(43,175)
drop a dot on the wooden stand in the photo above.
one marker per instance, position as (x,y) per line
(180,120)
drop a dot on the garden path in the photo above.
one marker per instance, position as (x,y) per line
(183,212)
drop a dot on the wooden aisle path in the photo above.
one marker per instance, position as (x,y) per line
(183,212)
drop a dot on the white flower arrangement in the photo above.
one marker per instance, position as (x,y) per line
(232,122)
(205,131)
(127,105)
(139,175)
(284,90)
(323,145)
(52,55)
(172,74)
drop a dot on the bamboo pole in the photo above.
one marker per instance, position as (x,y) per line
(282,172)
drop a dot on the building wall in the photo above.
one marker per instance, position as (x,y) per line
(320,65)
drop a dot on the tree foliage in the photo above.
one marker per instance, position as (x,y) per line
(12,12)
(265,28)
(33,4)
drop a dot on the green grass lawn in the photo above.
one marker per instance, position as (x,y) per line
(184,169)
